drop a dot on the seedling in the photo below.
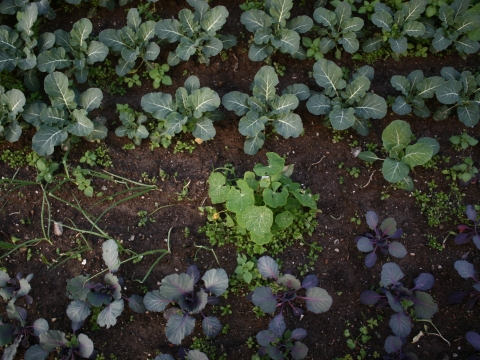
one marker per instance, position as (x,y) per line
(400,298)
(466,271)
(463,141)
(134,80)
(245,270)
(469,233)
(380,240)
(466,172)
(157,74)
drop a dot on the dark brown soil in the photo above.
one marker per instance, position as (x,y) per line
(316,157)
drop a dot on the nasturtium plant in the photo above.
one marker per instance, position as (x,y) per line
(380,240)
(401,156)
(74,49)
(133,41)
(181,290)
(80,346)
(285,290)
(467,233)
(68,114)
(279,343)
(11,108)
(196,32)
(415,88)
(400,298)
(460,91)
(193,110)
(261,214)
(86,293)
(272,31)
(265,107)
(466,270)
(396,26)
(344,104)
(339,28)
(394,348)
(456,23)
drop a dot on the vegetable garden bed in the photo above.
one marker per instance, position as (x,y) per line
(182,199)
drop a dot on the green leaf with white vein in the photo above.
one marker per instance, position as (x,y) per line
(398,45)
(383,20)
(46,138)
(108,316)
(239,199)
(214,19)
(91,99)
(280,10)
(400,106)
(301,91)
(50,60)
(288,125)
(152,51)
(449,92)
(255,19)
(401,83)
(158,104)
(319,104)
(414,28)
(350,42)
(174,123)
(427,87)
(96,52)
(252,124)
(113,39)
(146,31)
(352,25)
(328,75)
(417,154)
(133,19)
(371,106)
(168,29)
(396,133)
(300,24)
(80,33)
(264,83)
(394,171)
(325,17)
(202,100)
(257,219)
(342,119)
(283,104)
(15,101)
(13,131)
(186,48)
(288,41)
(236,101)
(469,114)
(212,47)
(82,125)
(204,129)
(27,19)
(259,52)
(356,89)
(254,143)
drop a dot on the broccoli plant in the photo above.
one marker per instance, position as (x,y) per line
(180,289)
(345,104)
(278,343)
(196,32)
(12,7)
(133,41)
(285,291)
(14,335)
(370,243)
(132,124)
(272,32)
(188,355)
(266,107)
(415,88)
(11,107)
(68,114)
(461,91)
(473,339)
(400,298)
(109,4)
(54,340)
(402,157)
(13,288)
(396,26)
(76,43)
(393,347)
(340,28)
(469,233)
(86,293)
(456,23)
(263,214)
(466,271)
(194,110)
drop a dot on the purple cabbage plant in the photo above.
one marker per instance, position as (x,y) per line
(278,343)
(86,293)
(466,271)
(181,290)
(13,288)
(380,239)
(473,339)
(468,233)
(400,298)
(285,291)
(393,347)
(184,355)
(78,347)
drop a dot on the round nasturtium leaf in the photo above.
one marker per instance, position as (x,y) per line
(274,199)
(275,165)
(239,199)
(258,219)
(284,219)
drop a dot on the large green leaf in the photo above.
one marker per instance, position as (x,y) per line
(80,32)
(414,9)
(369,156)
(212,47)
(383,20)
(427,87)
(301,91)
(288,125)
(96,52)
(401,83)
(133,19)
(160,105)
(401,106)
(188,22)
(350,42)
(257,219)
(288,41)
(108,316)
(275,199)
(259,52)
(27,18)
(319,104)
(52,339)
(469,114)
(204,129)
(284,104)
(430,142)
(449,92)
(371,106)
(217,189)
(275,165)
(352,25)
(186,48)
(214,19)
(356,89)
(146,31)
(280,10)
(46,138)
(82,125)
(264,83)
(113,39)
(325,17)
(300,24)
(236,101)
(399,45)
(255,19)
(417,154)
(414,28)
(202,100)
(328,75)
(254,143)
(14,100)
(124,67)
(174,123)
(239,199)
(440,41)
(251,124)
(342,119)
(91,99)
(179,326)
(467,46)
(56,86)
(372,44)
(50,60)
(394,171)
(13,131)
(396,133)
(152,51)
(168,29)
